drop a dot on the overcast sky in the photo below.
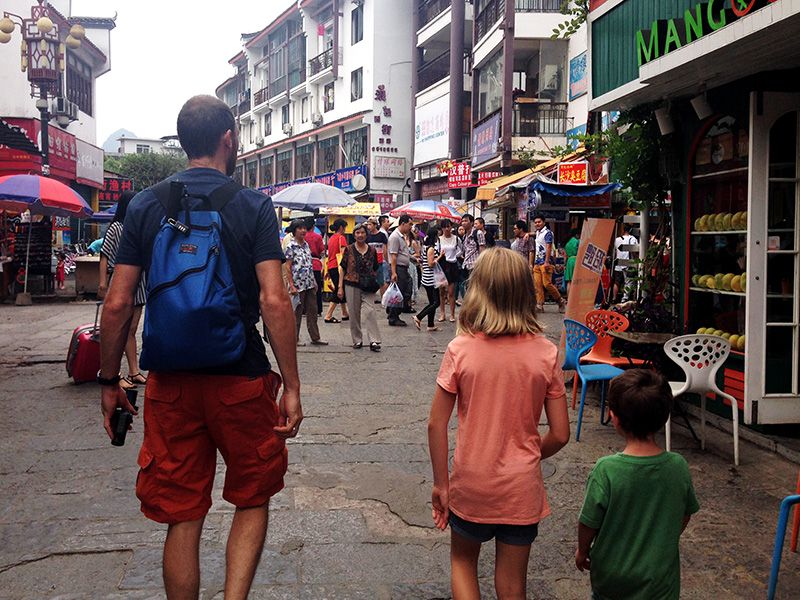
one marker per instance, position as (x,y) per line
(165,51)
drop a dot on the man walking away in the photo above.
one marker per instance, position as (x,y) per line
(377,238)
(229,405)
(317,245)
(523,244)
(383,227)
(621,279)
(543,266)
(300,276)
(400,259)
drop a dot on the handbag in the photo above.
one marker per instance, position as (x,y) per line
(368,283)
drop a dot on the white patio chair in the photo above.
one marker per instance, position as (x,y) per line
(700,357)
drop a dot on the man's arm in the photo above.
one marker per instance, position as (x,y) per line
(394,266)
(102,285)
(548,248)
(276,310)
(114,325)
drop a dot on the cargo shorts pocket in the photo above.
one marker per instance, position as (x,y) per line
(242,391)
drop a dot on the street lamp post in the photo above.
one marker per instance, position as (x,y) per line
(42,57)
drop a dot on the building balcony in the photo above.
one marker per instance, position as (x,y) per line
(320,68)
(492,12)
(438,69)
(534,119)
(538,6)
(430,9)
(260,97)
(278,92)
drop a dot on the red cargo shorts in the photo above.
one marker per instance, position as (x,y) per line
(187,418)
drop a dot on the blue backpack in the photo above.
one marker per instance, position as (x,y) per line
(193,318)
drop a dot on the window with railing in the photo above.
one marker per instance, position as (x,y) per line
(543,6)
(328,98)
(260,96)
(79,83)
(321,62)
(326,154)
(535,119)
(355,147)
(434,70)
(430,9)
(305,161)
(489,13)
(265,169)
(297,60)
(284,166)
(244,102)
(251,171)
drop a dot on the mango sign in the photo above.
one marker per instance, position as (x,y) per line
(573,172)
(665,36)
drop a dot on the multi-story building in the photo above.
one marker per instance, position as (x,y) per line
(324,93)
(74,157)
(520,89)
(168,144)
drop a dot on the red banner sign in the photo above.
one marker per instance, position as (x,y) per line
(573,172)
(485,177)
(460,176)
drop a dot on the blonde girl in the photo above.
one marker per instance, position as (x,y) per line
(501,371)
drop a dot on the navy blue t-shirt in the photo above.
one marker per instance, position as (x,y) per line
(249,234)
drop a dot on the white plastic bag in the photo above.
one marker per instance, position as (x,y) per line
(392,297)
(439,278)
(295,300)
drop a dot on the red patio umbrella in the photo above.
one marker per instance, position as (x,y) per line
(41,196)
(426,210)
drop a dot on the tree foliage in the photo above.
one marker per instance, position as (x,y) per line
(577,11)
(145,169)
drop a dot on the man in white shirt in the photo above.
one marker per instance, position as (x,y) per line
(543,266)
(621,277)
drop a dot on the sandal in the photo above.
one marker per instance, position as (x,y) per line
(358,345)
(452,319)
(432,329)
(375,347)
(126,384)
(417,322)
(332,320)
(345,318)
(441,319)
(137,378)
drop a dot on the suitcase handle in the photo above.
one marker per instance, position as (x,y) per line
(96,330)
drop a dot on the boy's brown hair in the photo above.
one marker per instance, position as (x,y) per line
(641,400)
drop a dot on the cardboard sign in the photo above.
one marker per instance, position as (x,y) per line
(595,240)
(485,177)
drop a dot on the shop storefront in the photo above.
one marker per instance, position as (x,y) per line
(724,81)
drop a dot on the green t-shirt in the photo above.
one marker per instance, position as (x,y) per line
(571,247)
(638,504)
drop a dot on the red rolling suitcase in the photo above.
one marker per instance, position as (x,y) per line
(83,355)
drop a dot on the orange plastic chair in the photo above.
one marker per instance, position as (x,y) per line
(601,322)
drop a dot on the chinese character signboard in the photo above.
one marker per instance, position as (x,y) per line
(485,177)
(385,201)
(574,172)
(578,76)
(89,167)
(391,167)
(460,176)
(595,239)
(344,177)
(432,130)
(484,140)
(112,190)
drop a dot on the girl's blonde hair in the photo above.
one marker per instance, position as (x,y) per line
(500,298)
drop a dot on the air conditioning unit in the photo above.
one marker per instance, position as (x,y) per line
(63,107)
(287,128)
(316,119)
(259,141)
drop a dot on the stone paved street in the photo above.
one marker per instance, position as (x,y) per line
(354,520)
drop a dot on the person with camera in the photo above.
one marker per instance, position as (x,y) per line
(209,388)
(358,271)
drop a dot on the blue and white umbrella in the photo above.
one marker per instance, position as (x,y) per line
(311,197)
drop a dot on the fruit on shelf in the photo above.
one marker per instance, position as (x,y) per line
(736,340)
(702,223)
(719,281)
(743,282)
(724,221)
(726,281)
(736,283)
(711,282)
(740,345)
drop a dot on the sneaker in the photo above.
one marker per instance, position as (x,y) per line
(375,347)
(397,323)
(319,343)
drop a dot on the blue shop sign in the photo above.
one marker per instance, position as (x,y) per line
(341,178)
(344,177)
(484,140)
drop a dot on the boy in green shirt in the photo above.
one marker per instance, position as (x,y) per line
(638,502)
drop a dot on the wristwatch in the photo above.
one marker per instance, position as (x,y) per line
(110,381)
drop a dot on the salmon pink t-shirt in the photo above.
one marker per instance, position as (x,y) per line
(501,385)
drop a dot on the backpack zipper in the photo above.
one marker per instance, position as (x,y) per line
(214,250)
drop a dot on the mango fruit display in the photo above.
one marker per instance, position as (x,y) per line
(737,341)
(728,282)
(723,221)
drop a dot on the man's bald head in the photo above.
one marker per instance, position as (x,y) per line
(202,122)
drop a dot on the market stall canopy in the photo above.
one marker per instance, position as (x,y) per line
(573,189)
(42,196)
(311,197)
(426,210)
(104,216)
(359,209)
(498,187)
(14,137)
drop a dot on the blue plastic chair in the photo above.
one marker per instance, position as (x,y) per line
(780,534)
(579,340)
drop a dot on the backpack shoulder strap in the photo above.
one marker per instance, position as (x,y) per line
(171,202)
(224,194)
